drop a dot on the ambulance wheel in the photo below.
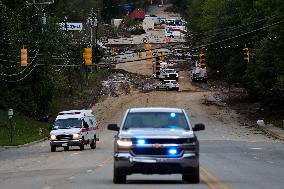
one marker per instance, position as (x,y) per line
(52,148)
(93,144)
(82,147)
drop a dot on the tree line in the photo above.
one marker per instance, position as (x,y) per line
(224,27)
(32,89)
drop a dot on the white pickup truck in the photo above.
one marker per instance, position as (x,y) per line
(199,74)
(168,74)
(168,85)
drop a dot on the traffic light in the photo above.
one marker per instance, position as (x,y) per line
(113,52)
(88,56)
(162,56)
(246,54)
(202,59)
(158,66)
(24,57)
(140,54)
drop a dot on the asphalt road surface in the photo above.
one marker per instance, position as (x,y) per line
(232,156)
(224,164)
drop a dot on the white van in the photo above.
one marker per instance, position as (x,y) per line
(74,128)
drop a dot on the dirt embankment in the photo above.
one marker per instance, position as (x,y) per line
(201,104)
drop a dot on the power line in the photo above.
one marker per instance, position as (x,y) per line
(240,35)
(16,74)
(228,29)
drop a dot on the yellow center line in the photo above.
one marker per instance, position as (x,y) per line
(207,181)
(215,179)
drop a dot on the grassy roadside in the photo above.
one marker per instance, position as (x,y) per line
(25,130)
(275,119)
(28,130)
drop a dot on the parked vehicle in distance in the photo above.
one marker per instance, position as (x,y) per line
(156,141)
(74,128)
(199,74)
(187,55)
(168,85)
(168,74)
(178,53)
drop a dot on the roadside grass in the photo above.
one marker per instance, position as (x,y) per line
(276,121)
(28,130)
(25,130)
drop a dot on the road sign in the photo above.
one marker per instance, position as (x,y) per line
(10,113)
(71,26)
(128,6)
(104,40)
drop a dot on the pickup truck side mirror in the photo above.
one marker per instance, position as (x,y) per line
(198,127)
(113,127)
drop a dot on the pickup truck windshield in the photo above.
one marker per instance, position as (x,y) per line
(156,120)
(67,123)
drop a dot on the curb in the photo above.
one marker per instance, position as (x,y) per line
(271,133)
(25,145)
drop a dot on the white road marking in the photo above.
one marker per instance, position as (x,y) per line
(76,153)
(71,178)
(256,157)
(47,187)
(270,162)
(256,148)
(89,171)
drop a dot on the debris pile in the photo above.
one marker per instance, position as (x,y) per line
(120,82)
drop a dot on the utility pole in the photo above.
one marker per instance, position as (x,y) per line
(96,24)
(39,5)
(92,21)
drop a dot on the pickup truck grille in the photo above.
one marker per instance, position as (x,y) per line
(170,141)
(153,151)
(64,137)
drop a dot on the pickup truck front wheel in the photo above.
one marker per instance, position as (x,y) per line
(52,148)
(118,178)
(193,177)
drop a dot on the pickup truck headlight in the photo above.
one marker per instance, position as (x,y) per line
(124,143)
(76,136)
(52,137)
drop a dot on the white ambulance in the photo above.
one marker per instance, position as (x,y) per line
(74,128)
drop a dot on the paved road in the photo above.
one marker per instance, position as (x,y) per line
(224,164)
(232,156)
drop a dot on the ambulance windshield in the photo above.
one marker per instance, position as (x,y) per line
(68,123)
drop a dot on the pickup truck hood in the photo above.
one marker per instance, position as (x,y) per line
(65,131)
(156,133)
